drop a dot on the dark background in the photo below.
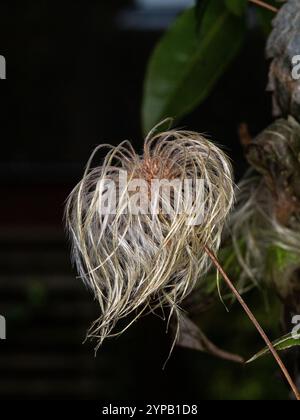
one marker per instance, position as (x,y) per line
(75,79)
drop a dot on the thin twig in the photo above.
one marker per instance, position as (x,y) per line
(255,322)
(265,5)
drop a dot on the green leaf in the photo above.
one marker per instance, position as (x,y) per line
(238,7)
(279,259)
(201,6)
(283,343)
(186,64)
(280,266)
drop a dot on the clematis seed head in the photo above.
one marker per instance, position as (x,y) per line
(139,223)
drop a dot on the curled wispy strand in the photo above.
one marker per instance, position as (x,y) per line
(137,261)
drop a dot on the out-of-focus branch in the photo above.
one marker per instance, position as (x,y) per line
(265,5)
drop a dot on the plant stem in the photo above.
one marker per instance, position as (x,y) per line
(254,321)
(265,5)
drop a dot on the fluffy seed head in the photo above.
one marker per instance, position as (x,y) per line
(150,258)
(258,237)
(265,224)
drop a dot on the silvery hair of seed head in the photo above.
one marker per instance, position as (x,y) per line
(148,251)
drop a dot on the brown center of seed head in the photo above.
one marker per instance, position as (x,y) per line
(156,168)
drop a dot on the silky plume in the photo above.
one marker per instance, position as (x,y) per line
(138,262)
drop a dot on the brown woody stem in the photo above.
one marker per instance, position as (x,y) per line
(264,5)
(254,321)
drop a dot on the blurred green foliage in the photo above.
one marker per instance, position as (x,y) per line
(189,60)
